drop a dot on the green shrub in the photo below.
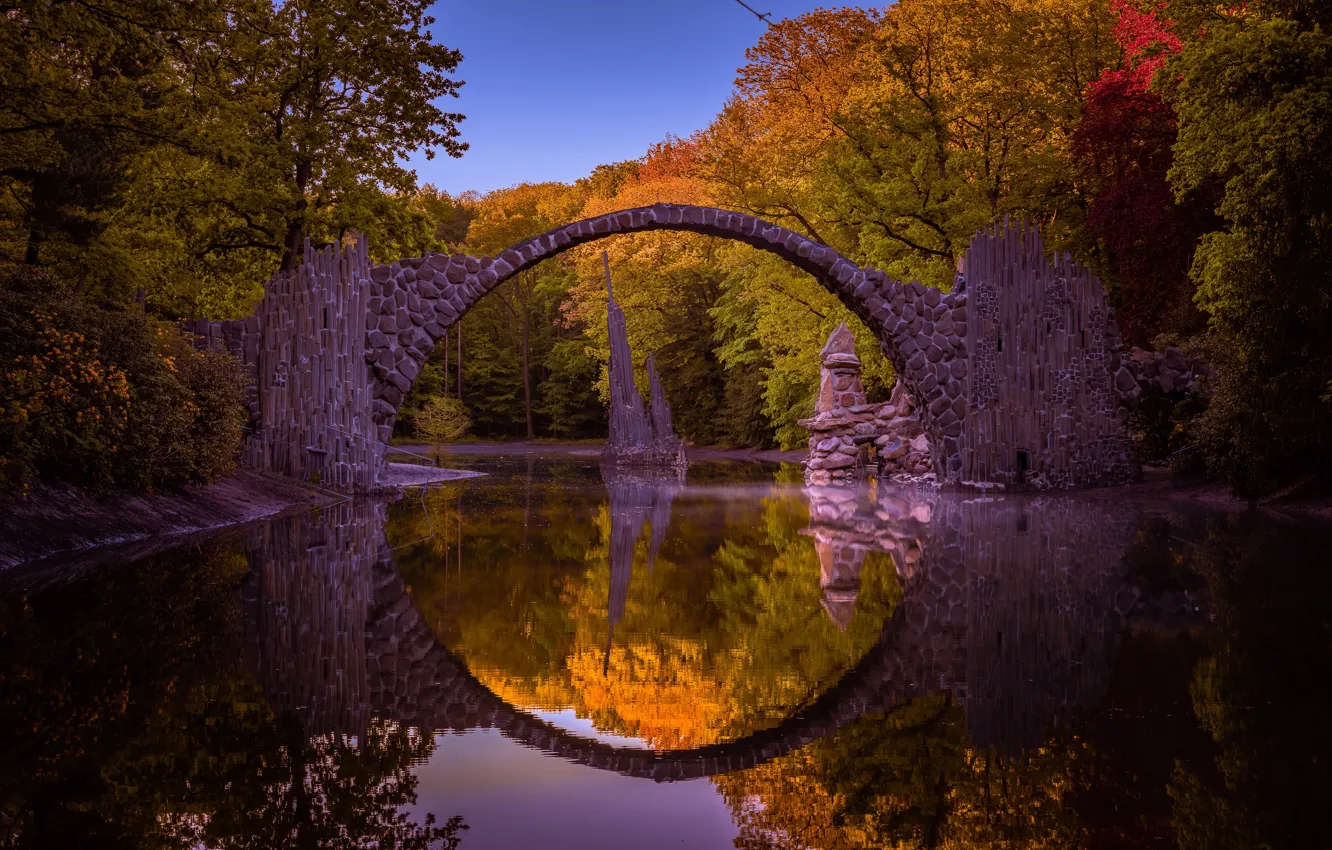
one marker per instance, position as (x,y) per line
(105,397)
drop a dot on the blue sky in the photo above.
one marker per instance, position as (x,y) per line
(557,88)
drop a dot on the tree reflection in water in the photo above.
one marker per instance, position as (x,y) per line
(1052,672)
(130,718)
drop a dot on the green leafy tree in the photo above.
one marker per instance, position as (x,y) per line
(1254,96)
(313,102)
(88,87)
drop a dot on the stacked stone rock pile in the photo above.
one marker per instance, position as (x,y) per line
(1142,373)
(844,426)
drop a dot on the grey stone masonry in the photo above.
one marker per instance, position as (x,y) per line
(844,428)
(1037,396)
(1013,375)
(640,434)
(1142,373)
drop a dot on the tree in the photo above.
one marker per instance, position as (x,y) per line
(311,103)
(442,419)
(88,86)
(504,218)
(1124,141)
(1254,96)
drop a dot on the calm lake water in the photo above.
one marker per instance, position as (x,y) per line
(542,658)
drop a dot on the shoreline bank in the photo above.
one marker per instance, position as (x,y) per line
(61,520)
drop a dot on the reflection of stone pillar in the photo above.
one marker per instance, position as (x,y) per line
(1013,605)
(840,563)
(306,601)
(633,499)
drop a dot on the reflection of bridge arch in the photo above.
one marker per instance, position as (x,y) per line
(434,689)
(1012,606)
(415,301)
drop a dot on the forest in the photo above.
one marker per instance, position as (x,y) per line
(161,160)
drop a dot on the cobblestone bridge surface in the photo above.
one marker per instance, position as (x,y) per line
(1018,627)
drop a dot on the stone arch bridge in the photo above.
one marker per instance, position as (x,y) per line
(1017,373)
(1020,634)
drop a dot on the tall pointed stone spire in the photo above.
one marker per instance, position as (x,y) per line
(640,435)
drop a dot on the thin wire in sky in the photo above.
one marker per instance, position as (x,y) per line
(762,16)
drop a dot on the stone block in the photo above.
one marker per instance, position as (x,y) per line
(1124,380)
(839,461)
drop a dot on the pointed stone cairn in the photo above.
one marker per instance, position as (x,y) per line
(844,427)
(640,435)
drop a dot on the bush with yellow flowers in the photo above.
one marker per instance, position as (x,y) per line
(107,397)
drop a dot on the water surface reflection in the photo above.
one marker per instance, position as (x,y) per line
(570,662)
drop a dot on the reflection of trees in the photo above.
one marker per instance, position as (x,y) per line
(723,636)
(127,719)
(1013,612)
(1259,694)
(908,779)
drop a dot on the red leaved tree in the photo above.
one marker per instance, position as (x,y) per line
(1124,141)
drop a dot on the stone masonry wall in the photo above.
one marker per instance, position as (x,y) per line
(1072,426)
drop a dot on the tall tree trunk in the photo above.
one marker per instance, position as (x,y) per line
(32,252)
(527,372)
(459,359)
(446,364)
(292,243)
(34,247)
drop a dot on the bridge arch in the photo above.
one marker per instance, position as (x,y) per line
(413,303)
